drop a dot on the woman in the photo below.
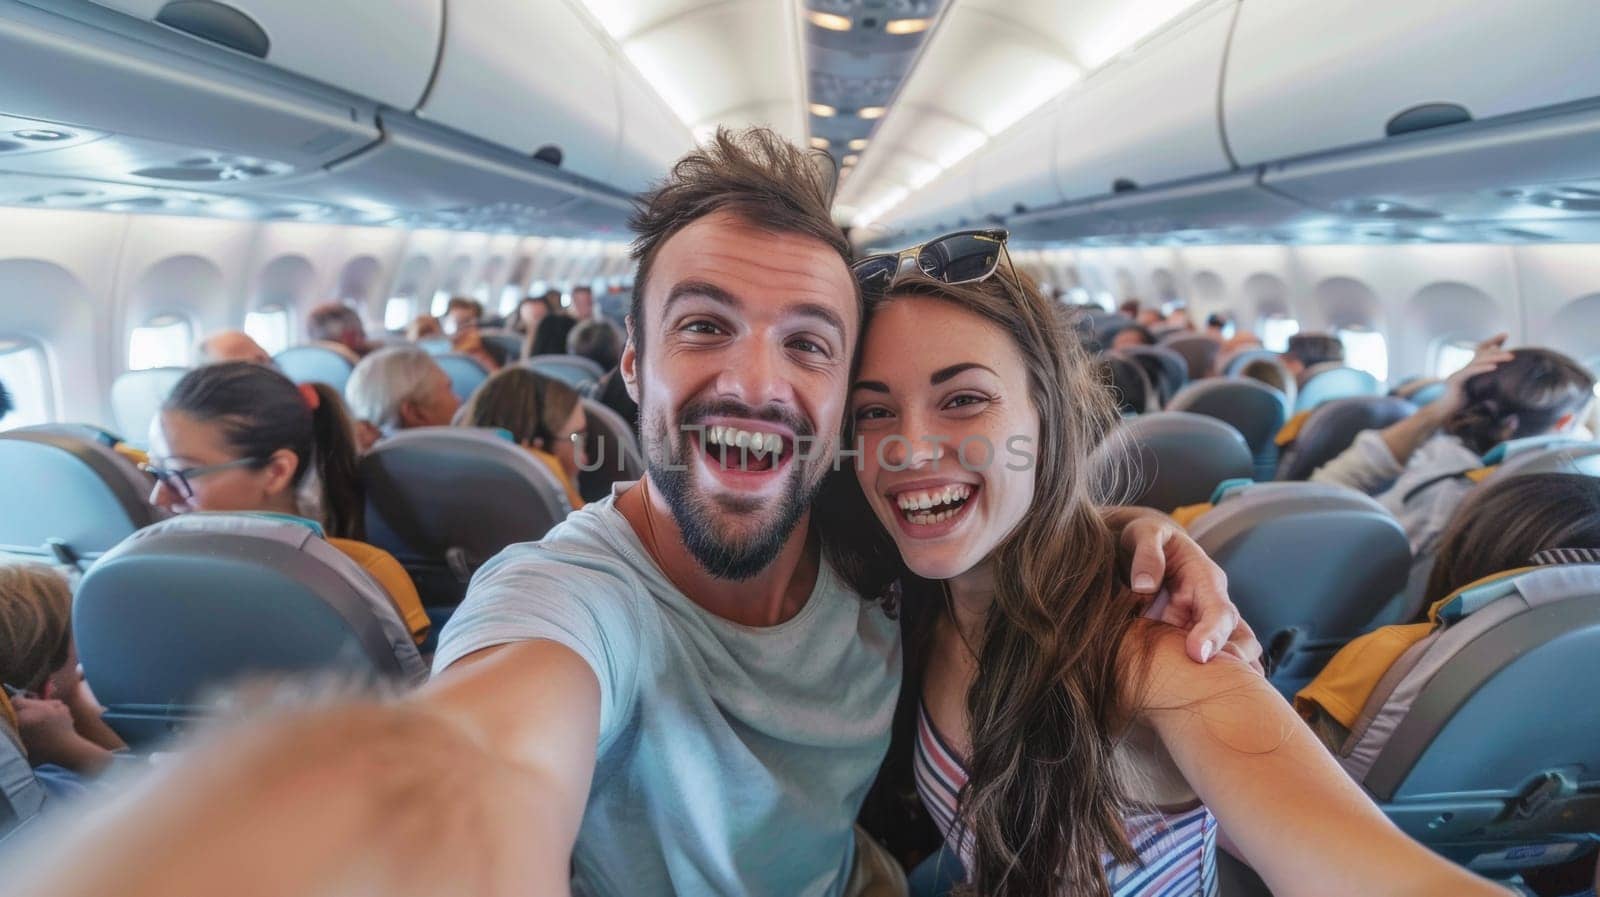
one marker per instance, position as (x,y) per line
(242,437)
(543,415)
(1060,743)
(1513,522)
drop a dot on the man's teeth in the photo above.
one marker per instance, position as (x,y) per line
(733,437)
(930,498)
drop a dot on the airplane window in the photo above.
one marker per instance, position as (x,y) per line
(24,372)
(441,303)
(1366,350)
(1451,356)
(164,342)
(270,327)
(1105,299)
(509,297)
(1276,330)
(396,313)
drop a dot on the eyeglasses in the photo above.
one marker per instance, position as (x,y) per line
(178,479)
(966,256)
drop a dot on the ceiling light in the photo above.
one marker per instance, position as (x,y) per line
(870,112)
(42,135)
(819,143)
(822,110)
(860,143)
(906,26)
(829,21)
(850,160)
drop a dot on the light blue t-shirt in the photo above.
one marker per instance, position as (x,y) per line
(731,759)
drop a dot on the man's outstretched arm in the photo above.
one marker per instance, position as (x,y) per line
(475,784)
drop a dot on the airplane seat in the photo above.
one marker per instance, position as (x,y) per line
(465,372)
(136,398)
(509,343)
(443,500)
(1482,741)
(1173,458)
(81,497)
(436,345)
(1309,566)
(1255,409)
(86,432)
(315,364)
(1107,325)
(1552,453)
(205,600)
(1168,371)
(1199,352)
(574,370)
(610,444)
(1332,427)
(1332,380)
(22,798)
(1237,361)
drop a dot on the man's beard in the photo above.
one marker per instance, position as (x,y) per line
(668,457)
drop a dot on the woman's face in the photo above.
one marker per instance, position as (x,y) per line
(181,442)
(947,431)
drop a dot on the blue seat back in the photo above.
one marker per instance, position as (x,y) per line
(315,364)
(465,372)
(1335,383)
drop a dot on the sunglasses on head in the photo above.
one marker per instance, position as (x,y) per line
(966,256)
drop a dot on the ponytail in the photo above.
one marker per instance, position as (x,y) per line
(1526,396)
(337,459)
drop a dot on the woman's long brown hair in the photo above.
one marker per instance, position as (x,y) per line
(1044,801)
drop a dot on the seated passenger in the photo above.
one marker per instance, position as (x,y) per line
(398,388)
(1264,371)
(597,341)
(231,345)
(543,415)
(1136,335)
(462,314)
(339,328)
(50,707)
(1516,522)
(423,327)
(583,304)
(550,337)
(530,311)
(470,342)
(1063,745)
(242,437)
(1499,396)
(1307,350)
(1131,388)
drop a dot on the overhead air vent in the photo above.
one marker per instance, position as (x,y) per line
(1123,185)
(218,23)
(1385,208)
(1427,117)
(212,169)
(42,135)
(8,146)
(550,154)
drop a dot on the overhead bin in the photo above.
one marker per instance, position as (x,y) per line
(380,49)
(185,119)
(531,77)
(1315,75)
(1149,118)
(652,137)
(1016,171)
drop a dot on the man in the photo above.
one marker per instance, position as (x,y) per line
(582,303)
(673,692)
(232,345)
(1307,350)
(596,340)
(400,387)
(463,314)
(339,328)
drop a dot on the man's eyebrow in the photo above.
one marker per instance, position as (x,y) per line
(706,289)
(944,374)
(818,310)
(872,386)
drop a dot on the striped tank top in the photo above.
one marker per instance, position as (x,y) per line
(1177,851)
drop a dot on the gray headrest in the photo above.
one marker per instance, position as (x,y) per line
(450,498)
(1255,409)
(573,370)
(1332,427)
(1580,459)
(1198,350)
(1316,558)
(1335,382)
(136,398)
(21,796)
(204,600)
(315,364)
(1176,458)
(506,341)
(611,445)
(1493,700)
(81,496)
(1168,371)
(465,372)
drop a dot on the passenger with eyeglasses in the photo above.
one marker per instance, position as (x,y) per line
(243,437)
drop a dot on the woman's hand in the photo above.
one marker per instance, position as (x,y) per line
(1487,356)
(1164,555)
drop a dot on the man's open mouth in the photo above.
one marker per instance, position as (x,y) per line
(753,451)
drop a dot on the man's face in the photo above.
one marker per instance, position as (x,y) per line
(748,341)
(582,304)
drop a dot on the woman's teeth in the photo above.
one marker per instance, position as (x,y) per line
(931,506)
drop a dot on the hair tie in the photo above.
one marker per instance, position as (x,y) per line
(309,394)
